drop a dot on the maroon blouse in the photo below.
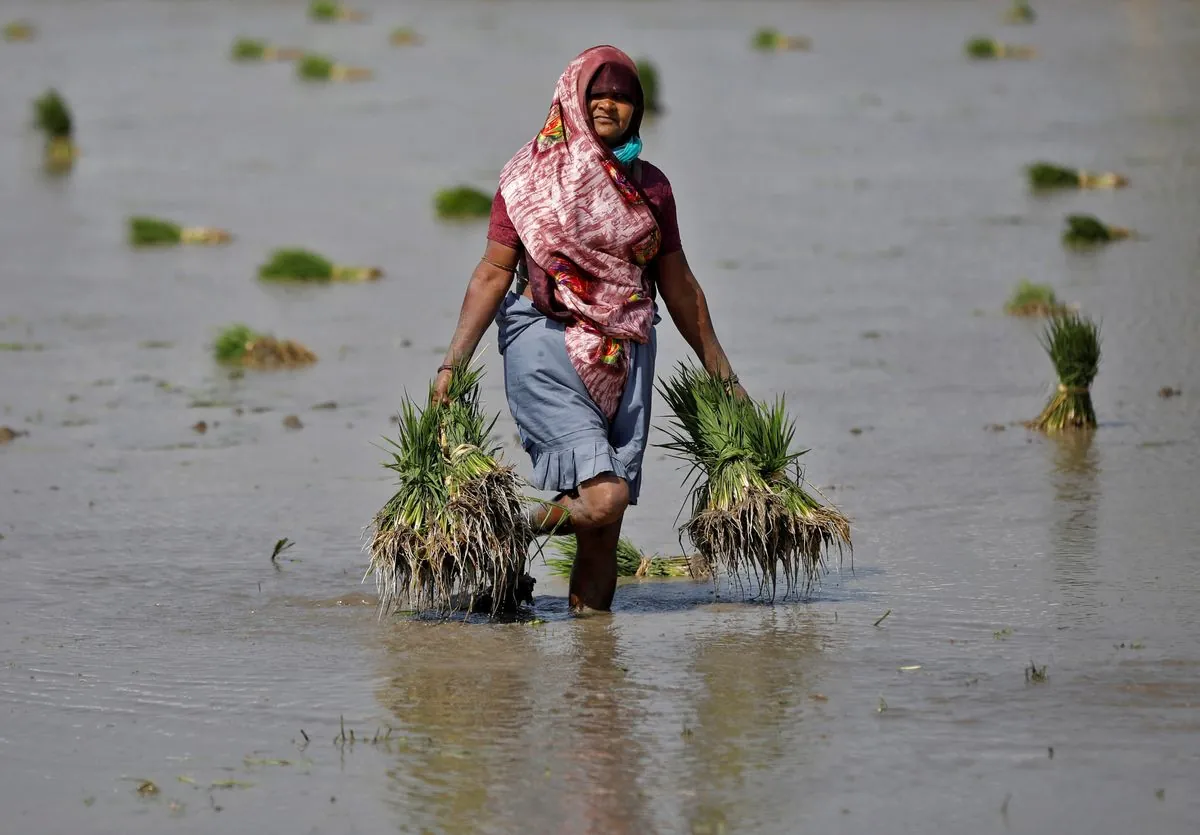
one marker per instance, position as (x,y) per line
(654,185)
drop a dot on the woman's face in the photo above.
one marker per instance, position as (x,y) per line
(611,114)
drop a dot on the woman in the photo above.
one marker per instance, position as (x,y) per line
(591,231)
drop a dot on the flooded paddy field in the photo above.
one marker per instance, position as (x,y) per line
(857,215)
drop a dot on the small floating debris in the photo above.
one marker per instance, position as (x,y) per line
(19,30)
(292,422)
(150,231)
(1020,12)
(1073,343)
(404,36)
(320,68)
(751,511)
(8,434)
(1047,175)
(462,202)
(302,265)
(53,117)
(1169,391)
(327,11)
(631,562)
(981,48)
(457,524)
(241,345)
(1088,230)
(1029,299)
(254,49)
(147,788)
(772,40)
(648,76)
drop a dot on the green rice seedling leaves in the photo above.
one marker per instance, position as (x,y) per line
(53,117)
(1046,175)
(255,49)
(462,202)
(404,36)
(240,344)
(1088,230)
(750,511)
(303,265)
(19,30)
(772,40)
(149,231)
(328,11)
(1073,344)
(312,67)
(648,75)
(1029,299)
(457,524)
(984,48)
(1020,12)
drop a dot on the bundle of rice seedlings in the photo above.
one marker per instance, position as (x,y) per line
(1073,343)
(750,511)
(19,30)
(1020,12)
(1029,299)
(648,75)
(404,36)
(1087,230)
(242,345)
(984,48)
(303,265)
(253,49)
(631,562)
(457,524)
(462,202)
(1046,175)
(771,40)
(150,231)
(319,68)
(53,118)
(328,11)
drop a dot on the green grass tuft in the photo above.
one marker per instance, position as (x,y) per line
(149,231)
(981,47)
(648,76)
(1029,299)
(315,67)
(248,49)
(1020,12)
(324,10)
(1088,230)
(766,39)
(52,116)
(231,344)
(19,30)
(1046,175)
(462,202)
(296,265)
(1073,345)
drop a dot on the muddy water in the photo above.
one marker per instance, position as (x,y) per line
(857,217)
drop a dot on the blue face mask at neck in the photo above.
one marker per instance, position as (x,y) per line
(628,152)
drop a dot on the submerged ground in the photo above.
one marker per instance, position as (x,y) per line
(857,216)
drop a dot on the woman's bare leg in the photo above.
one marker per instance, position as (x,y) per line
(594,574)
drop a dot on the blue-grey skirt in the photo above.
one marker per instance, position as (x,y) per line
(566,435)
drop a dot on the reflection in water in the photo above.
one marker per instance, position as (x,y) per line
(1076,494)
(749,737)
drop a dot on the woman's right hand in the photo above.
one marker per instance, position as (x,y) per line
(441,387)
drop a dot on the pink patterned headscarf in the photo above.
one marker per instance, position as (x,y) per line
(583,221)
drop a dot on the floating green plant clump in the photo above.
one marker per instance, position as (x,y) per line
(19,30)
(320,68)
(1046,175)
(1029,299)
(457,525)
(772,40)
(303,265)
(53,118)
(327,11)
(404,36)
(648,76)
(253,49)
(981,48)
(150,231)
(1020,12)
(751,513)
(462,202)
(1073,343)
(241,345)
(631,562)
(1087,230)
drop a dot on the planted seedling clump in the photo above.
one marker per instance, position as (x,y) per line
(771,40)
(1087,231)
(303,265)
(462,202)
(1020,12)
(243,346)
(751,513)
(320,68)
(1046,175)
(327,11)
(1073,344)
(1029,299)
(53,118)
(457,525)
(253,49)
(404,36)
(149,231)
(982,48)
(19,30)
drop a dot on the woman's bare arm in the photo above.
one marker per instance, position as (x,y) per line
(685,301)
(489,283)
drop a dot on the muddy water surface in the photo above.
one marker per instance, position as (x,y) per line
(857,217)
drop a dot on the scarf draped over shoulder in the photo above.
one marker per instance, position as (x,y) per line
(588,225)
